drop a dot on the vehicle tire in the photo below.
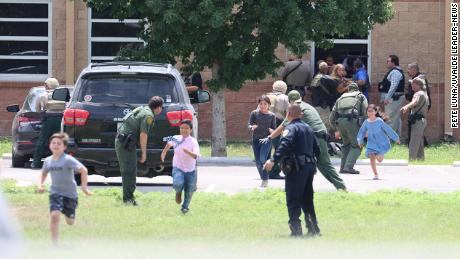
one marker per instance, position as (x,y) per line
(77,179)
(18,161)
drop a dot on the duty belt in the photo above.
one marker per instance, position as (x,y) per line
(348,116)
(307,159)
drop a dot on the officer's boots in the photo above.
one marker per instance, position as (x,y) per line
(312,226)
(296,229)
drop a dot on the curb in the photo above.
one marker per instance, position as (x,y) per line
(246,161)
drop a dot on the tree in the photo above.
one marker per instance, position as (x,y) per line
(237,39)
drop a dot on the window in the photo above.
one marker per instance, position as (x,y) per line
(345,51)
(25,39)
(108,35)
(133,89)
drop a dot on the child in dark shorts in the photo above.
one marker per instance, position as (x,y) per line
(63,191)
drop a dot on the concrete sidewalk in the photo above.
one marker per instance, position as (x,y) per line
(246,161)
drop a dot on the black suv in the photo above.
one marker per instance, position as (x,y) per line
(104,93)
(26,126)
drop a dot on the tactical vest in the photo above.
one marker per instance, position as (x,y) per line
(384,86)
(53,105)
(350,103)
(321,95)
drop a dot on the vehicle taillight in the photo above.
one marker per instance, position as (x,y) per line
(75,117)
(24,121)
(176,117)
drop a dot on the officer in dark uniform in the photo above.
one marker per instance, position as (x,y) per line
(297,153)
(135,129)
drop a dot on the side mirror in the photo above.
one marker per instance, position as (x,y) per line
(61,94)
(12,108)
(203,96)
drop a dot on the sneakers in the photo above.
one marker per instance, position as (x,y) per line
(178,197)
(264,184)
(184,210)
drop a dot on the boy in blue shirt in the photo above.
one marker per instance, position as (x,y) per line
(63,191)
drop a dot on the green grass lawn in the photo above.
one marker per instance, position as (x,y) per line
(5,145)
(380,216)
(436,154)
(218,224)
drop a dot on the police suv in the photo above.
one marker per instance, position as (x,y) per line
(104,93)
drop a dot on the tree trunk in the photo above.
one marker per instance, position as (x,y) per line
(219,122)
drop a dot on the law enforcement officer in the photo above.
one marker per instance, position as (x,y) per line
(391,91)
(417,118)
(298,152)
(279,104)
(323,96)
(51,114)
(134,129)
(296,73)
(312,118)
(347,116)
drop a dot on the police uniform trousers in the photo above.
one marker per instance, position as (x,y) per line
(350,150)
(276,170)
(50,125)
(128,169)
(299,196)
(325,166)
(416,144)
(324,114)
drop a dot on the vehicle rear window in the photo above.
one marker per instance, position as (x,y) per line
(134,89)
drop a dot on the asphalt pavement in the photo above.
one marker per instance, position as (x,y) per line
(234,178)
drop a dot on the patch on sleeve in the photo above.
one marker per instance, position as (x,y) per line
(149,120)
(285,132)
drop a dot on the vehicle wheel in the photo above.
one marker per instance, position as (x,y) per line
(18,161)
(78,179)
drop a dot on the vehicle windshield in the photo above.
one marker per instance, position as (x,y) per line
(132,89)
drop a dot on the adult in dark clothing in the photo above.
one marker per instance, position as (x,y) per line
(414,71)
(298,152)
(323,95)
(51,112)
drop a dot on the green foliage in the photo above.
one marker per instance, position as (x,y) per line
(5,145)
(240,36)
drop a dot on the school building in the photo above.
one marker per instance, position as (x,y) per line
(42,38)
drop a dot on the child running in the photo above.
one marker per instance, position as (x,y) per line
(186,152)
(63,191)
(378,134)
(262,123)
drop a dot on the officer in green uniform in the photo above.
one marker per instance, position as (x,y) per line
(135,129)
(312,118)
(51,114)
(347,116)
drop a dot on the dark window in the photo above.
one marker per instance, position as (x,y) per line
(127,89)
(115,29)
(111,48)
(23,66)
(24,48)
(351,36)
(343,53)
(24,29)
(106,14)
(10,10)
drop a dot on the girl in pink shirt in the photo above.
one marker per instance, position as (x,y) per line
(186,152)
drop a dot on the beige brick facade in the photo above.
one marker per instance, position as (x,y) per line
(416,33)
